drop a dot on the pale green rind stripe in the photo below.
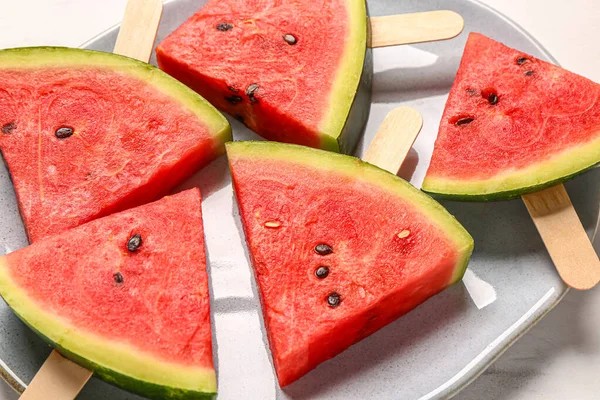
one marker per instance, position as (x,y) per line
(347,76)
(360,170)
(512,184)
(461,266)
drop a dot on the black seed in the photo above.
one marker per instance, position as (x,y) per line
(233,89)
(224,26)
(134,242)
(118,277)
(322,272)
(521,60)
(64,132)
(234,99)
(239,117)
(323,249)
(250,91)
(529,73)
(334,300)
(290,39)
(464,121)
(8,128)
(493,98)
(472,92)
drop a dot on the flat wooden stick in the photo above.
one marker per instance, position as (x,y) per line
(138,29)
(421,27)
(564,236)
(59,378)
(394,139)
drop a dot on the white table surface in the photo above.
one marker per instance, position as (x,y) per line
(560,357)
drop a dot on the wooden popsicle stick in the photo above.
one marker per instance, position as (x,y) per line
(564,236)
(59,378)
(394,139)
(138,29)
(393,30)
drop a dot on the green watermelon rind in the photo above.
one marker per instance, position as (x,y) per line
(48,57)
(357,116)
(358,169)
(27,310)
(344,121)
(126,382)
(561,168)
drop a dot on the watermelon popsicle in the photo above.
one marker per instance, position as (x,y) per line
(292,71)
(120,297)
(85,134)
(516,126)
(339,247)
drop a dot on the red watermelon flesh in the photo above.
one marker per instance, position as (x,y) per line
(136,133)
(513,124)
(114,309)
(390,247)
(288,69)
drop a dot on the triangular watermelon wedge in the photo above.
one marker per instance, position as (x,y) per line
(134,309)
(513,124)
(340,248)
(292,71)
(86,134)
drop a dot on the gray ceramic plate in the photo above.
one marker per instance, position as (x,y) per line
(430,353)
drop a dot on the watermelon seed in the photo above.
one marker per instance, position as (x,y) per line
(118,277)
(224,26)
(529,73)
(464,121)
(290,39)
(64,132)
(234,99)
(334,300)
(493,98)
(322,272)
(272,224)
(134,242)
(250,91)
(233,89)
(471,92)
(8,128)
(521,60)
(323,249)
(403,234)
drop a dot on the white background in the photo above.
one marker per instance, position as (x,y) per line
(557,359)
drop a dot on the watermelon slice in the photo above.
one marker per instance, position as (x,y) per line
(339,247)
(292,71)
(86,134)
(125,296)
(513,124)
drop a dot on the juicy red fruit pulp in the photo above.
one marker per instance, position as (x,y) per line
(270,64)
(335,258)
(83,142)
